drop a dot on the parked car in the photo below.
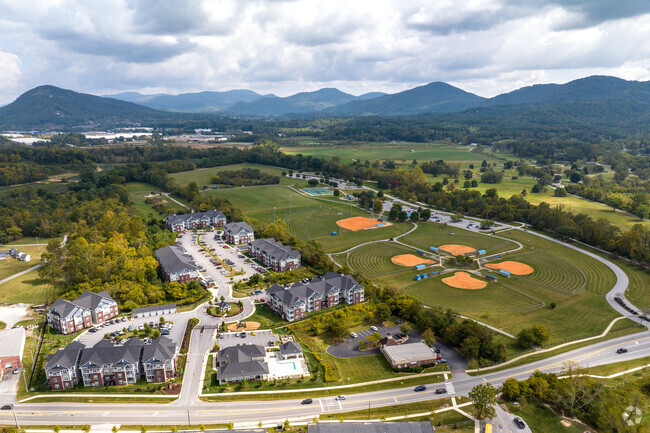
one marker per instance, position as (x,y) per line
(399,321)
(353,334)
(441,361)
(420,388)
(374,328)
(519,422)
(307,401)
(16,370)
(621,350)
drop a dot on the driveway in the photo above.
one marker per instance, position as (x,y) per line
(261,338)
(503,422)
(13,314)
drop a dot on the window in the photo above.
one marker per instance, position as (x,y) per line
(56,386)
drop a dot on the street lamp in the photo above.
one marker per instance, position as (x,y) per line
(15,418)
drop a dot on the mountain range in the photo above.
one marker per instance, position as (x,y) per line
(50,107)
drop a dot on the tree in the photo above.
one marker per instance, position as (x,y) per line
(457,217)
(382,313)
(14,232)
(313,182)
(85,428)
(484,396)
(429,337)
(575,177)
(425,214)
(337,192)
(643,211)
(143,429)
(467,184)
(402,216)
(575,391)
(337,328)
(230,425)
(114,429)
(202,427)
(377,206)
(415,216)
(536,335)
(535,189)
(468,174)
(162,319)
(287,424)
(510,389)
(559,192)
(486,224)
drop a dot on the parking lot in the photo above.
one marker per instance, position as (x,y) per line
(264,338)
(176,332)
(350,347)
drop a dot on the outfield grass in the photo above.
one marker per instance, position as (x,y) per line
(28,288)
(202,176)
(320,222)
(348,239)
(374,260)
(429,234)
(267,318)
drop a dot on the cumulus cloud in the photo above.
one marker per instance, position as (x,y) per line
(287,46)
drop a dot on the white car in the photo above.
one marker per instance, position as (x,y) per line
(340,397)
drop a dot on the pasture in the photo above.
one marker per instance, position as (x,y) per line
(202,176)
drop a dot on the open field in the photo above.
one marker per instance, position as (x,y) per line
(202,175)
(11,266)
(28,288)
(321,221)
(403,153)
(137,194)
(434,235)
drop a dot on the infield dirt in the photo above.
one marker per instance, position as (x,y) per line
(463,280)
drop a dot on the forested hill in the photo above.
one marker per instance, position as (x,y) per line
(49,107)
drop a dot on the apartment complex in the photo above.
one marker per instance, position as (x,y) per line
(273,254)
(88,309)
(198,220)
(238,233)
(176,265)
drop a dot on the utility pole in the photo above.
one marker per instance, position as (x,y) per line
(24,378)
(15,418)
(189,424)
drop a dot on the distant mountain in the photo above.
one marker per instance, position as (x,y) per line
(201,102)
(587,89)
(435,97)
(305,102)
(49,107)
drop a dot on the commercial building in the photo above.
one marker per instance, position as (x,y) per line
(238,233)
(294,302)
(198,220)
(13,345)
(408,355)
(176,265)
(273,254)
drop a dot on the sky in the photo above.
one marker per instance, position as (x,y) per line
(486,47)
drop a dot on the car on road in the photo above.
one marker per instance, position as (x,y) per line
(307,401)
(340,397)
(519,422)
(621,350)
(441,391)
(420,388)
(6,407)
(374,328)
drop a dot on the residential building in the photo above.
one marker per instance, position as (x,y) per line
(290,350)
(62,367)
(89,308)
(108,363)
(154,310)
(197,220)
(13,252)
(409,355)
(159,360)
(13,345)
(177,265)
(294,302)
(372,427)
(238,363)
(273,254)
(238,233)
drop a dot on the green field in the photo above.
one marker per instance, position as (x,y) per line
(28,288)
(433,235)
(375,259)
(11,266)
(403,153)
(137,194)
(202,176)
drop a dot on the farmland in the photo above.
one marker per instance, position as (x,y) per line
(202,176)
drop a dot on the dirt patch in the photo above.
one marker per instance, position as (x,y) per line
(515,268)
(463,280)
(361,223)
(565,423)
(248,326)
(410,260)
(457,250)
(172,389)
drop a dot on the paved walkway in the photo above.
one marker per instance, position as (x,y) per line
(33,268)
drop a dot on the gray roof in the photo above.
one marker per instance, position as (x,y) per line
(238,227)
(174,259)
(241,353)
(236,370)
(274,249)
(63,308)
(318,287)
(290,348)
(92,300)
(212,213)
(407,353)
(161,349)
(65,358)
(372,427)
(153,308)
(101,353)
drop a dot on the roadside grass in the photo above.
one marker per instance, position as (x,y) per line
(430,234)
(29,288)
(202,175)
(62,397)
(541,419)
(609,369)
(390,411)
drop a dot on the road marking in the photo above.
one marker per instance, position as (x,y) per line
(321,405)
(450,388)
(340,407)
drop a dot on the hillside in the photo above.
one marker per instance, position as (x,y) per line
(434,97)
(201,102)
(304,102)
(49,107)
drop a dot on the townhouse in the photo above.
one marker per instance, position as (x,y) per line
(238,233)
(107,363)
(273,254)
(89,308)
(197,220)
(296,301)
(176,265)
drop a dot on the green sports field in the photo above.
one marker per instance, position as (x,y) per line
(430,234)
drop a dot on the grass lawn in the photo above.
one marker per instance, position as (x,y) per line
(28,240)
(28,288)
(349,239)
(429,234)
(11,266)
(202,175)
(267,318)
(390,411)
(609,369)
(137,194)
(541,419)
(374,259)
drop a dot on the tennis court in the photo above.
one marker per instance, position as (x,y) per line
(317,191)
